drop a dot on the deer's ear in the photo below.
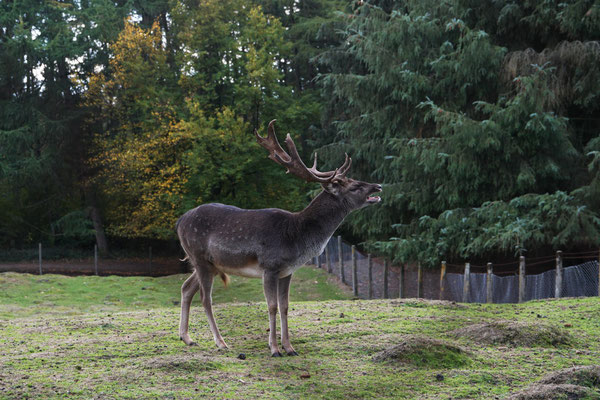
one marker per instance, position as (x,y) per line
(331,187)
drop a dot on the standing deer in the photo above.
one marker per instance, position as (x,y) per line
(268,243)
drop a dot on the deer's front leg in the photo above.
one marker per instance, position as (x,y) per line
(284,295)
(270,285)
(188,290)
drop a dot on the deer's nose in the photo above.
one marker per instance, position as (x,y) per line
(378,188)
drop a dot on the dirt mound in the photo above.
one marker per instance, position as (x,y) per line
(571,383)
(422,351)
(515,333)
(554,392)
(583,376)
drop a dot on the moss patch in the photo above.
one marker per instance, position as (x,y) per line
(424,352)
(515,333)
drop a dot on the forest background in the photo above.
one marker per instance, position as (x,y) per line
(480,118)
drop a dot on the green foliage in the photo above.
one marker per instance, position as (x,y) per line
(230,167)
(471,113)
(484,140)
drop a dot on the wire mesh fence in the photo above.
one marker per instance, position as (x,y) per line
(371,278)
(577,280)
(375,279)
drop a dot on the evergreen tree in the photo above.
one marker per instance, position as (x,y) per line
(478,148)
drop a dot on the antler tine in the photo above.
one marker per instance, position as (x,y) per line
(315,172)
(293,163)
(346,166)
(276,153)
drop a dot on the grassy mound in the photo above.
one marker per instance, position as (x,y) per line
(582,382)
(583,376)
(554,392)
(424,352)
(527,334)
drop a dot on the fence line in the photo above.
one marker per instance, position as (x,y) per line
(41,260)
(374,278)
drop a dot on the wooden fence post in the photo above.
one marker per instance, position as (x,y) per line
(442,279)
(96,259)
(40,257)
(327,259)
(354,272)
(419,281)
(341,260)
(401,282)
(466,282)
(522,279)
(488,284)
(318,261)
(385,279)
(558,283)
(370,275)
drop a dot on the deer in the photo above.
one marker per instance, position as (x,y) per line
(269,244)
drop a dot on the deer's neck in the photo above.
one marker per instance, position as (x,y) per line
(323,215)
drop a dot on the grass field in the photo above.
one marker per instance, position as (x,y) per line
(109,337)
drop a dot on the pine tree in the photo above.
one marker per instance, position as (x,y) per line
(477,148)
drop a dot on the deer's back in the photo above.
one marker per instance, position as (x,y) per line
(232,238)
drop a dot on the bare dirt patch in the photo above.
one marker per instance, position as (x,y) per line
(515,333)
(425,352)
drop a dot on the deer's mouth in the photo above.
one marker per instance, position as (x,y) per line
(374,199)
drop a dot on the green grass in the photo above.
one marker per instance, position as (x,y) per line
(57,294)
(88,337)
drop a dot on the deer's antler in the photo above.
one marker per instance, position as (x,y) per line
(293,162)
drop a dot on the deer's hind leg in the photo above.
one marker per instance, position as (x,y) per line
(188,290)
(206,274)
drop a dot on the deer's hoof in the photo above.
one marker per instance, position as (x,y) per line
(188,342)
(277,354)
(292,353)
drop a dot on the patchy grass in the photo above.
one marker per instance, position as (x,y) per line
(118,349)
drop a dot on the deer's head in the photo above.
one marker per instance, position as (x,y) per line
(351,193)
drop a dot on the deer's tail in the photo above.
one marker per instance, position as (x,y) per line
(225,278)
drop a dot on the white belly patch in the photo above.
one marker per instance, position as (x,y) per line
(253,270)
(248,271)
